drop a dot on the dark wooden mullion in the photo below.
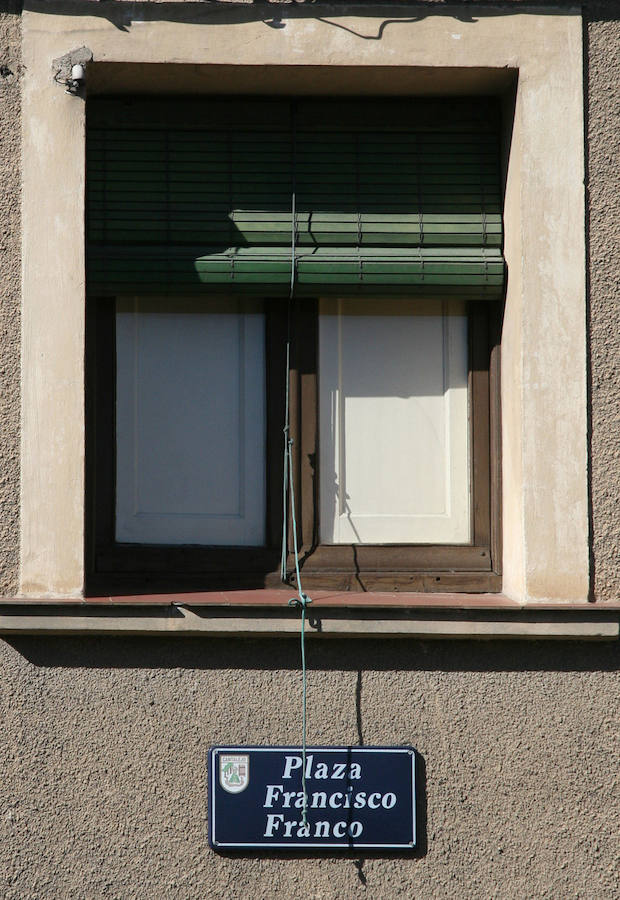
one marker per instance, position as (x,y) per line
(427,582)
(294,410)
(303,427)
(398,558)
(90,421)
(111,584)
(99,407)
(275,353)
(307,341)
(101,400)
(480,437)
(495,330)
(160,558)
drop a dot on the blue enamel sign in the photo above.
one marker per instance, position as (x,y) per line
(357,797)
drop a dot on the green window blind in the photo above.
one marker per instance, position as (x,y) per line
(390,196)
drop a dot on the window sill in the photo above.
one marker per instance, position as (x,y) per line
(332,615)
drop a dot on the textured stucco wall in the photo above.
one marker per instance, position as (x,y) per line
(105,741)
(10,149)
(603,53)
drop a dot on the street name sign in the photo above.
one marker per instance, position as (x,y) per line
(357,798)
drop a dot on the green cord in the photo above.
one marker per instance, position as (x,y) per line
(288,486)
(283,573)
(302,599)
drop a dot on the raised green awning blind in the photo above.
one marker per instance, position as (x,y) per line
(400,196)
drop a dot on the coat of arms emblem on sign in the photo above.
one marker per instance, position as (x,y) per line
(234,772)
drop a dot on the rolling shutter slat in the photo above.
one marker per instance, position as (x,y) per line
(413,206)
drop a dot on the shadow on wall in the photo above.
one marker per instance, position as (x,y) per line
(264,654)
(275,15)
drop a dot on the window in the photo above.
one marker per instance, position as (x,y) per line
(395,231)
(334,555)
(185,425)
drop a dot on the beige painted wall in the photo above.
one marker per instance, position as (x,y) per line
(544,391)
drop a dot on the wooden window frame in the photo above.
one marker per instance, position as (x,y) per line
(473,567)
(114,568)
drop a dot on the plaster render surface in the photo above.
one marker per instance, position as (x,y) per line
(545,489)
(104,764)
(10,320)
(603,45)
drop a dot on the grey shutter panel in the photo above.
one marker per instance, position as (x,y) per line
(390,197)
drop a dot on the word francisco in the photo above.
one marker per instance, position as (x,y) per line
(355,797)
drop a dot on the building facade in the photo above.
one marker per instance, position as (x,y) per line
(460,158)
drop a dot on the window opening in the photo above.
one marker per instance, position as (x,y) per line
(395,203)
